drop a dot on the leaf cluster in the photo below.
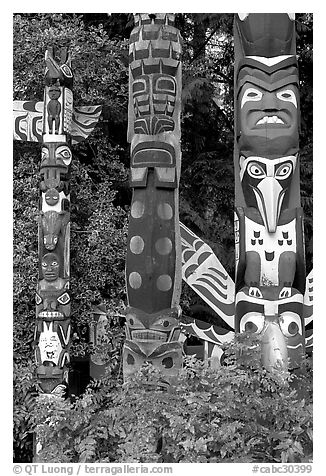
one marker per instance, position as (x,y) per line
(236,413)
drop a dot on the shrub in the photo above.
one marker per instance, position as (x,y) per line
(237,413)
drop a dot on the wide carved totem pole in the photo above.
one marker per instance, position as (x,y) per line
(52,333)
(270,263)
(153,267)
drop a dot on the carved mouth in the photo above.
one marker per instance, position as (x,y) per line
(270,120)
(51,314)
(148,335)
(50,276)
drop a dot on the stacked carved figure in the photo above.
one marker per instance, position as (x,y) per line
(52,331)
(153,267)
(270,263)
(271,295)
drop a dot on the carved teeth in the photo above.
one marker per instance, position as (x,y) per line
(50,314)
(270,120)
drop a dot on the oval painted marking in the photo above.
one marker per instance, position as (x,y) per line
(136,245)
(135,280)
(163,246)
(137,209)
(164,211)
(164,282)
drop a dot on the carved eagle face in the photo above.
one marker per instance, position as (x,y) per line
(265,183)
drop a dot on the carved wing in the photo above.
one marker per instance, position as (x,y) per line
(84,120)
(205,331)
(204,273)
(28,120)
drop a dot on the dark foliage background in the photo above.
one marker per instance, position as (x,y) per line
(100,195)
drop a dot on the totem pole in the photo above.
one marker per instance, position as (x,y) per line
(52,332)
(271,296)
(153,266)
(270,263)
(56,124)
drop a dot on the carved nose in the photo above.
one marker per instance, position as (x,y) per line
(269,102)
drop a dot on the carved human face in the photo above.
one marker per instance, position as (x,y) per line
(54,92)
(52,305)
(274,314)
(268,106)
(268,115)
(56,155)
(268,110)
(49,345)
(50,267)
(55,161)
(150,330)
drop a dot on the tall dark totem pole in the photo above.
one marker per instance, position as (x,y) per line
(52,333)
(153,266)
(270,274)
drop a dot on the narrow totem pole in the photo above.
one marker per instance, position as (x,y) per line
(56,124)
(270,262)
(52,332)
(153,267)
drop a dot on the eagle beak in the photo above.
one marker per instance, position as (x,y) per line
(269,196)
(274,349)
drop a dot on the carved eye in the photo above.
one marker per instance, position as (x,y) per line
(255,170)
(130,359)
(167,362)
(251,94)
(64,153)
(134,322)
(54,263)
(66,70)
(287,95)
(64,298)
(44,264)
(284,171)
(252,322)
(290,324)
